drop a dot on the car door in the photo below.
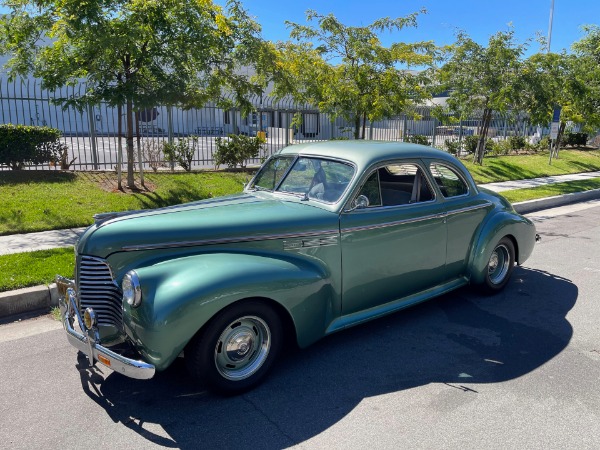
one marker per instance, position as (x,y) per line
(396,245)
(465,212)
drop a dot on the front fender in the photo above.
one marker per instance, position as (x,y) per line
(180,296)
(497,226)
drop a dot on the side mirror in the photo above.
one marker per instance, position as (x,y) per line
(359,202)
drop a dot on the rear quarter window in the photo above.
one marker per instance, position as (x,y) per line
(449,181)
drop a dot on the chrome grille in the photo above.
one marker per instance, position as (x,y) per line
(98,290)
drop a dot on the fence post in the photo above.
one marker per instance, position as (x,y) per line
(433,135)
(92,128)
(404,123)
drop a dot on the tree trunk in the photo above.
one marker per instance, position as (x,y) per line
(119,144)
(480,151)
(139,147)
(364,123)
(357,126)
(130,177)
(561,132)
(129,117)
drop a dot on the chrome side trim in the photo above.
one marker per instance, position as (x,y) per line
(469,208)
(233,240)
(324,241)
(394,223)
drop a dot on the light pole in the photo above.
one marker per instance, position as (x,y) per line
(550,24)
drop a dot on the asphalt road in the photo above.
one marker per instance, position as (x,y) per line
(517,370)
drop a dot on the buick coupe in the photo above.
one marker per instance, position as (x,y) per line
(324,237)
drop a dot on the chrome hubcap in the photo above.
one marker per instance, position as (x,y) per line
(242,348)
(499,264)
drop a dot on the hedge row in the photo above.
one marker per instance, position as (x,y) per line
(22,144)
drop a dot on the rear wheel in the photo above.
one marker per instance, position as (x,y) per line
(237,348)
(500,266)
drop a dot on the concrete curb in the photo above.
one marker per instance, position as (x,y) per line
(27,300)
(42,298)
(553,202)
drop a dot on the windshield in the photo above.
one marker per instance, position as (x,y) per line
(315,178)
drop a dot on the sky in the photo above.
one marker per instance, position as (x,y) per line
(478,18)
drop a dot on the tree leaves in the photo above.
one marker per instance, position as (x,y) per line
(346,70)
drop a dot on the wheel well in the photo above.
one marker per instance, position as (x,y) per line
(514,241)
(289,329)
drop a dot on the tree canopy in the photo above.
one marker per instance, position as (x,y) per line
(347,72)
(136,53)
(587,51)
(483,78)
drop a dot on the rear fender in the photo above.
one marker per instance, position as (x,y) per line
(499,225)
(180,296)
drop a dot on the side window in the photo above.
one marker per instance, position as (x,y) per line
(397,184)
(402,184)
(371,190)
(448,180)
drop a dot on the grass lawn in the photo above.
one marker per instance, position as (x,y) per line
(550,190)
(520,167)
(35,268)
(46,200)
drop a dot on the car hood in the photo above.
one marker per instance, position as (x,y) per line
(244,217)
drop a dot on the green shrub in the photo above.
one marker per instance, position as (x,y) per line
(575,139)
(182,151)
(544,143)
(470,143)
(417,139)
(517,142)
(501,147)
(21,145)
(236,149)
(452,147)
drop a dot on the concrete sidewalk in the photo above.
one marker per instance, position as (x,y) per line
(536,182)
(18,243)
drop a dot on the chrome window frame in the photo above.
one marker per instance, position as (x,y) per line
(457,172)
(296,157)
(419,163)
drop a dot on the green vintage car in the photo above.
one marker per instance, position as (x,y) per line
(324,237)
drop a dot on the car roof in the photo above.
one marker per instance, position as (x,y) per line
(366,153)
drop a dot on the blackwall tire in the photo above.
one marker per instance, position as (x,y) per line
(500,266)
(237,348)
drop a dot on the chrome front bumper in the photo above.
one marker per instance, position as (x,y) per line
(88,341)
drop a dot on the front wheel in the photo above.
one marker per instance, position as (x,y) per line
(237,348)
(500,266)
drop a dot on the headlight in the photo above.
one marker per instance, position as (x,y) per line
(132,292)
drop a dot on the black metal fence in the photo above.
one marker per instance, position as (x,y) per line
(91,133)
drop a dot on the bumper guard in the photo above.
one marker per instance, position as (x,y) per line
(88,341)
